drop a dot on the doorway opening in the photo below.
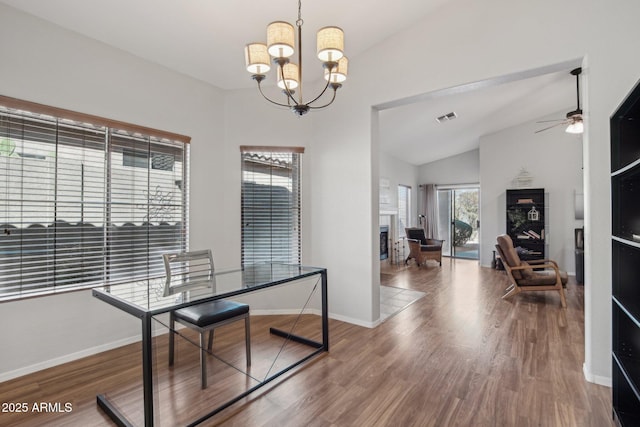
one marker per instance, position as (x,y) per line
(459,221)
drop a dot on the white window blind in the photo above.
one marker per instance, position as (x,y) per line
(404,208)
(75,212)
(271,204)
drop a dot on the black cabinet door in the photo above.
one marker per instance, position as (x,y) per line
(526,222)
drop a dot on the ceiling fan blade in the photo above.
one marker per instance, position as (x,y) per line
(551,121)
(552,126)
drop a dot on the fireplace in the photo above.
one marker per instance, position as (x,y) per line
(384,242)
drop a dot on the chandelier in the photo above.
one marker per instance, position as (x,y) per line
(280,47)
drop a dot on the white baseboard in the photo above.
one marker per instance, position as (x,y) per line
(318,312)
(353,321)
(5,376)
(285,311)
(596,379)
(26,370)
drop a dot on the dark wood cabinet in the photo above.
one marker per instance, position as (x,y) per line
(625,260)
(526,222)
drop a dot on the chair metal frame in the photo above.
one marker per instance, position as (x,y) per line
(195,270)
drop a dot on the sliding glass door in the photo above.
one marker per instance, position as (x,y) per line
(458,221)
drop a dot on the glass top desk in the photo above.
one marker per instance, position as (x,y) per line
(145,300)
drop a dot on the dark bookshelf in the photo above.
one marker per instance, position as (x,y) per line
(526,222)
(625,258)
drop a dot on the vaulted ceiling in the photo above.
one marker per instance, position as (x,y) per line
(205,40)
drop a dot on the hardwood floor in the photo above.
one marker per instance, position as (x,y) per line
(460,356)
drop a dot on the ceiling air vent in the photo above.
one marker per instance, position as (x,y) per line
(446,117)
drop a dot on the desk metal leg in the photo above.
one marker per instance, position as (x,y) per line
(325,312)
(324,346)
(296,338)
(147,367)
(113,412)
(147,370)
(147,382)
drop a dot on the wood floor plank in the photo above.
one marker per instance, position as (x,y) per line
(460,356)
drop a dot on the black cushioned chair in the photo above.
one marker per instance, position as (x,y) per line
(420,248)
(191,270)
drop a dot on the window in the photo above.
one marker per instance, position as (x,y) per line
(270,204)
(404,208)
(140,159)
(74,212)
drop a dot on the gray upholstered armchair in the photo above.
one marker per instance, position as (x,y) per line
(422,249)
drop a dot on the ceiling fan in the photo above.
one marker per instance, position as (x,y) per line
(574,118)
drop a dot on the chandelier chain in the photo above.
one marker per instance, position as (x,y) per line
(299,22)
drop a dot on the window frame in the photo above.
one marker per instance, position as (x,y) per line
(407,209)
(258,254)
(155,141)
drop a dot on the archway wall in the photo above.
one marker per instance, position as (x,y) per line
(464,42)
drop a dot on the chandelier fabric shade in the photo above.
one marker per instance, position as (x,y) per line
(330,43)
(339,74)
(257,58)
(281,45)
(290,81)
(280,39)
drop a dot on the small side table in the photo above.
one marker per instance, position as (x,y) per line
(496,262)
(580,266)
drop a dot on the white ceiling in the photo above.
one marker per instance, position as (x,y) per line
(409,130)
(205,40)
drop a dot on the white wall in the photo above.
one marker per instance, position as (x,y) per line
(48,65)
(250,120)
(554,159)
(345,225)
(84,75)
(463,168)
(398,172)
(484,40)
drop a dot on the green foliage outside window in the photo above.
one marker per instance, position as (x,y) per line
(466,212)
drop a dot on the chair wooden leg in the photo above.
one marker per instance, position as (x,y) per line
(203,361)
(511,291)
(172,328)
(563,299)
(247,338)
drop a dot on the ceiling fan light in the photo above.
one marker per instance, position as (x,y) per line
(280,39)
(290,80)
(575,128)
(330,44)
(257,58)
